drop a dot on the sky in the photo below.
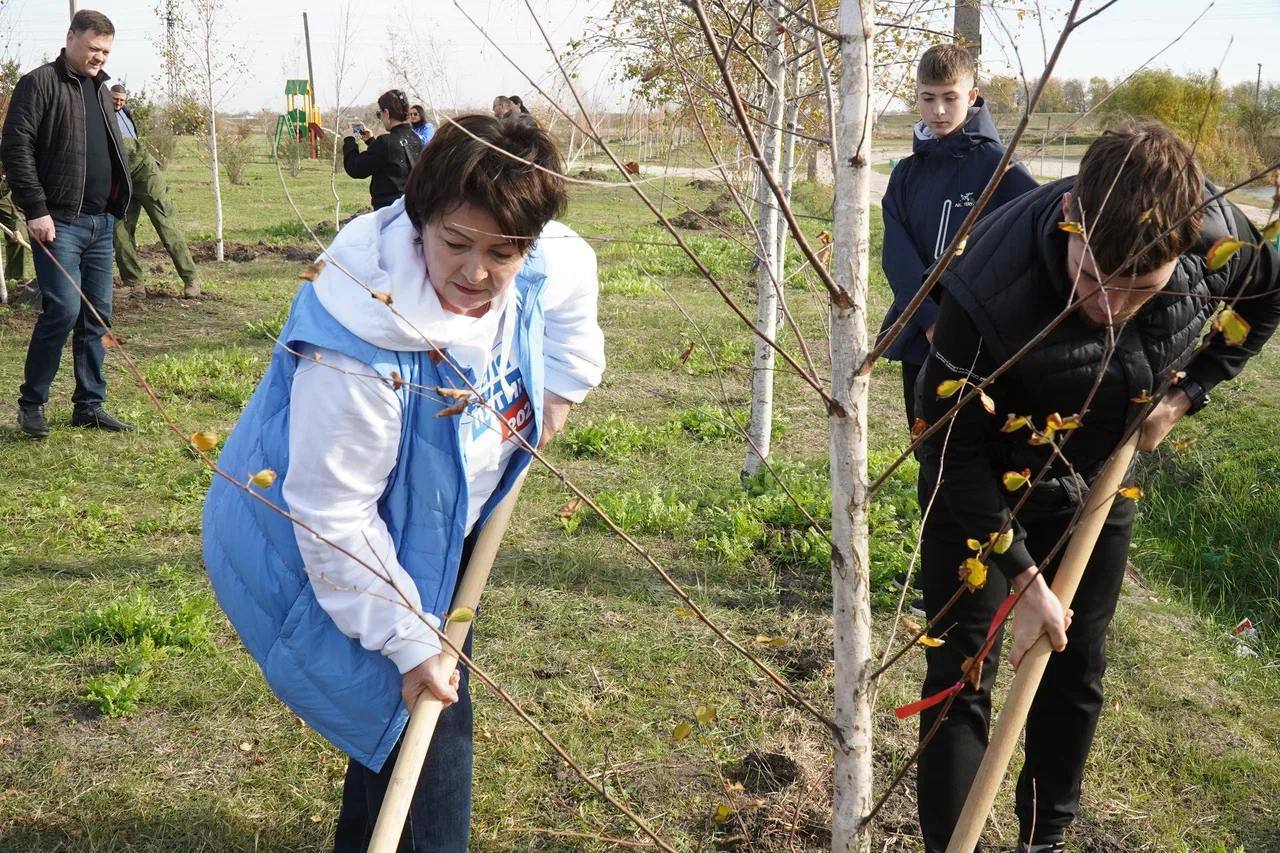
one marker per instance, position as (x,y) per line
(465,71)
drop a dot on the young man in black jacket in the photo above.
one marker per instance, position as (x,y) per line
(388,159)
(1124,245)
(66,167)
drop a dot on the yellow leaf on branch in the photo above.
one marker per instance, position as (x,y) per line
(1221,252)
(1014,423)
(1234,328)
(205,441)
(949,387)
(264,479)
(460,614)
(930,642)
(974,573)
(1014,480)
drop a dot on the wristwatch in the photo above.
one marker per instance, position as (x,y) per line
(1195,393)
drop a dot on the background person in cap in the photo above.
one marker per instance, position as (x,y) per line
(150,193)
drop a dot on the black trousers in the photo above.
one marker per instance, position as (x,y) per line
(1064,714)
(909,374)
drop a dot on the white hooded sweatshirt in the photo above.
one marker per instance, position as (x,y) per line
(336,476)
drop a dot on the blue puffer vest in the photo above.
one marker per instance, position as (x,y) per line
(349,694)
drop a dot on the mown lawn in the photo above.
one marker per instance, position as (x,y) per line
(105,602)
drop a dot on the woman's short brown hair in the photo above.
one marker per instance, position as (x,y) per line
(468,162)
(1135,183)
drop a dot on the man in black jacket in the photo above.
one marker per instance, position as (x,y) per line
(389,158)
(1124,248)
(66,167)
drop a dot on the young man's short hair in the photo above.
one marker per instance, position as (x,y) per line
(1135,183)
(943,64)
(87,20)
(485,161)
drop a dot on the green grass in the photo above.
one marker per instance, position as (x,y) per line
(132,720)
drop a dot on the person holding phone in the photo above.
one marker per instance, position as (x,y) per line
(387,159)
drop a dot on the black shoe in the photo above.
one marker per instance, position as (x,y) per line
(900,581)
(916,608)
(1048,847)
(98,418)
(31,421)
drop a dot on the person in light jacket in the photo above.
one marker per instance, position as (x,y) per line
(478,288)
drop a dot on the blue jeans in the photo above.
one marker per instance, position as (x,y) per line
(83,247)
(439,819)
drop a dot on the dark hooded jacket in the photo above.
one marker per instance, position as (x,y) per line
(43,144)
(1007,288)
(929,195)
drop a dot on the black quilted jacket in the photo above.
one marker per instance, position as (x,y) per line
(1006,289)
(43,145)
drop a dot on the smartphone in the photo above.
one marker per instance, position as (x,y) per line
(357,127)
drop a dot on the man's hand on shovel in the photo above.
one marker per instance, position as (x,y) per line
(1038,612)
(1162,419)
(427,676)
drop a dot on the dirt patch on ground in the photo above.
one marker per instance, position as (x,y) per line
(712,217)
(204,251)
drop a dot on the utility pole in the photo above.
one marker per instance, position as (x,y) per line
(73,8)
(1257,88)
(171,50)
(968,25)
(311,76)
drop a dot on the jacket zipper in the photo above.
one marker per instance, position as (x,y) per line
(84,139)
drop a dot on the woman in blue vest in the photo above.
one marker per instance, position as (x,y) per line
(475,286)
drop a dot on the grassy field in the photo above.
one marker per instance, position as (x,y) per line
(132,720)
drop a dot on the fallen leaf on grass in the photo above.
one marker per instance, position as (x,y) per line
(771,642)
(570,509)
(705,714)
(722,813)
(688,351)
(681,731)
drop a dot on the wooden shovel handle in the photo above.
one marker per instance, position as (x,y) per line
(426,713)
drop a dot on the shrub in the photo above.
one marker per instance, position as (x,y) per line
(235,152)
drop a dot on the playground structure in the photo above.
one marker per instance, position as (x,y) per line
(301,119)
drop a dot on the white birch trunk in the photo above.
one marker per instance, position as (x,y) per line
(850,569)
(767,219)
(788,174)
(217,183)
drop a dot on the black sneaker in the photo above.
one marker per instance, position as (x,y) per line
(916,605)
(900,581)
(98,418)
(1046,847)
(31,421)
